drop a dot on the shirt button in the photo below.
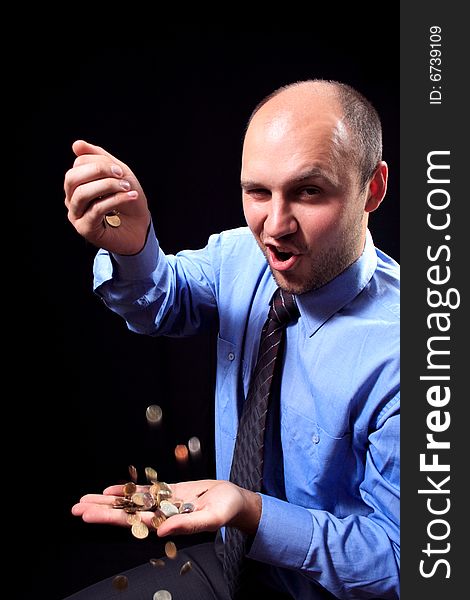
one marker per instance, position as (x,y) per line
(231,356)
(315,438)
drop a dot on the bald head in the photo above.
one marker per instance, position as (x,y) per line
(356,131)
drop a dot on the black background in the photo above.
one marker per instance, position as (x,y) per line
(174,109)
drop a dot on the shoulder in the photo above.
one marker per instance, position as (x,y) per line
(384,287)
(234,244)
(232,237)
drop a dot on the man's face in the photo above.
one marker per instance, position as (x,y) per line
(301,194)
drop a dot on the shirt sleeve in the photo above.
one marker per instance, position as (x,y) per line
(355,557)
(159,294)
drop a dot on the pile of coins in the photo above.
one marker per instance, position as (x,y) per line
(157,499)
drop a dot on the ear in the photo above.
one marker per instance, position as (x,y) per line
(377,187)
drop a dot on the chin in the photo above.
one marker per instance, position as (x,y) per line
(290,285)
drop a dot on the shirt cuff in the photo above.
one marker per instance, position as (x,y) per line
(284,534)
(136,266)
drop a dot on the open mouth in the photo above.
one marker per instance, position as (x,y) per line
(281,261)
(283,256)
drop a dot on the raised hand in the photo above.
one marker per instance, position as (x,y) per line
(97,185)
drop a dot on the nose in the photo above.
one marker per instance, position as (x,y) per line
(280,220)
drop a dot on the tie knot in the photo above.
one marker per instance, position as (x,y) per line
(283,307)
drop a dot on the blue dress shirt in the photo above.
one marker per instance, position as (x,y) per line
(337,522)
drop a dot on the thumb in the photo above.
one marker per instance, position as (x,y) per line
(81,147)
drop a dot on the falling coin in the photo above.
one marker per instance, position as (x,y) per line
(170,550)
(153,414)
(194,446)
(140,530)
(133,473)
(157,562)
(120,582)
(162,595)
(181,453)
(186,567)
(158,519)
(151,475)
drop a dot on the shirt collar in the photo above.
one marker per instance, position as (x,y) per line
(317,306)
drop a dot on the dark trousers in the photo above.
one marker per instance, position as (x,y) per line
(204,581)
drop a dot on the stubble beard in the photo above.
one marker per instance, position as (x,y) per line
(323,265)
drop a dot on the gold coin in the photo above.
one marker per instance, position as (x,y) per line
(143,499)
(133,473)
(157,562)
(113,220)
(120,582)
(133,518)
(170,550)
(186,567)
(154,489)
(128,489)
(119,502)
(164,487)
(140,530)
(138,498)
(163,495)
(181,453)
(151,474)
(157,519)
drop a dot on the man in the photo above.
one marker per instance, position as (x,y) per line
(325,522)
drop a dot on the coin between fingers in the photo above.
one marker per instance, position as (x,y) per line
(113,219)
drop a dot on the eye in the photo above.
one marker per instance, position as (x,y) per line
(309,191)
(258,193)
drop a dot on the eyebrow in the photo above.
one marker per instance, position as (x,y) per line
(313,173)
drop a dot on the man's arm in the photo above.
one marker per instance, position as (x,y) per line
(154,293)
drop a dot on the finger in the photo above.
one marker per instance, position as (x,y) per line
(95,513)
(89,193)
(88,172)
(97,499)
(81,507)
(80,147)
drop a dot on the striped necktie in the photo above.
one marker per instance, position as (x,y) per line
(247,463)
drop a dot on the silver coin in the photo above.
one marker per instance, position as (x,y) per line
(153,414)
(186,507)
(162,595)
(168,508)
(194,445)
